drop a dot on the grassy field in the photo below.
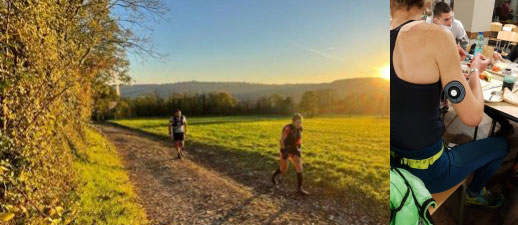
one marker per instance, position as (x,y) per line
(105,193)
(348,155)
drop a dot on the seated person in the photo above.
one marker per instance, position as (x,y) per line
(443,15)
(506,13)
(418,75)
(512,56)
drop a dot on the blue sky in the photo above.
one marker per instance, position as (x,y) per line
(267,41)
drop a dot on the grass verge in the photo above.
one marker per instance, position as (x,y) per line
(105,193)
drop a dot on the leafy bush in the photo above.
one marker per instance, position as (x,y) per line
(55,57)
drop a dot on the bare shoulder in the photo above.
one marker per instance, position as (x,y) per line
(426,32)
(286,128)
(430,38)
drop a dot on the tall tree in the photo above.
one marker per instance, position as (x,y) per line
(309,103)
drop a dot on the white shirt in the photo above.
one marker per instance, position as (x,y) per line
(179,126)
(457,29)
(459,33)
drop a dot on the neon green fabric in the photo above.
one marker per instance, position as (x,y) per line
(409,199)
(420,163)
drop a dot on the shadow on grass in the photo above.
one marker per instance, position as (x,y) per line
(224,122)
(253,170)
(192,121)
(81,156)
(164,124)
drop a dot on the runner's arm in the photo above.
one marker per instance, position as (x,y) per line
(169,128)
(283,137)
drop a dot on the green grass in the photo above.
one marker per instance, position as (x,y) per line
(343,154)
(105,193)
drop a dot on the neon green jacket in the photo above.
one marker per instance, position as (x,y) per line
(409,199)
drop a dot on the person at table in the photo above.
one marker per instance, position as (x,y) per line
(418,74)
(512,56)
(506,11)
(443,15)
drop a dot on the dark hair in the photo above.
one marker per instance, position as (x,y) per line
(178,110)
(409,3)
(440,8)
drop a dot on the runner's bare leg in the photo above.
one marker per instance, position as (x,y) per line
(283,164)
(181,147)
(297,162)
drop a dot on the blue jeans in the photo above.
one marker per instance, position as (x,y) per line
(482,158)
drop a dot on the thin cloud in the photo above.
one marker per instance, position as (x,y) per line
(320,53)
(335,58)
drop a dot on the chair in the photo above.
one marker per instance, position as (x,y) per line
(509,27)
(508,37)
(493,33)
(441,197)
(496,26)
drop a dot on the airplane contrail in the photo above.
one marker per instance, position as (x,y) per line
(332,57)
(320,53)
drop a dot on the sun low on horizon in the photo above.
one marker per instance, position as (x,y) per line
(384,72)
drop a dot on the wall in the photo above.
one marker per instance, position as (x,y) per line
(475,15)
(464,12)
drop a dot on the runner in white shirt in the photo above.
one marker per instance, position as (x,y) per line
(177,130)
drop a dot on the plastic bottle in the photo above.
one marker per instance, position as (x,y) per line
(478,44)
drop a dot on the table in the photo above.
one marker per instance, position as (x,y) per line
(503,109)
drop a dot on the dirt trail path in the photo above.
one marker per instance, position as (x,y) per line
(184,192)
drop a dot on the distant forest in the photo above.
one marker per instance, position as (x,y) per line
(312,103)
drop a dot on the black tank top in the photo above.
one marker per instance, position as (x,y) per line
(294,138)
(415,118)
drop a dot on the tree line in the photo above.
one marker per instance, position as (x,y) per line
(312,103)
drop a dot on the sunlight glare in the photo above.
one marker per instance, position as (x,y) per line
(385,72)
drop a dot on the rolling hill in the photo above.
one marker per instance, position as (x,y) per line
(252,91)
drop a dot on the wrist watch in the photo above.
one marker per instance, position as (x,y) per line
(471,71)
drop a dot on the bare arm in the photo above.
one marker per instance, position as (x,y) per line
(471,107)
(284,134)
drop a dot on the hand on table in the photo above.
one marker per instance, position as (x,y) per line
(496,57)
(462,53)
